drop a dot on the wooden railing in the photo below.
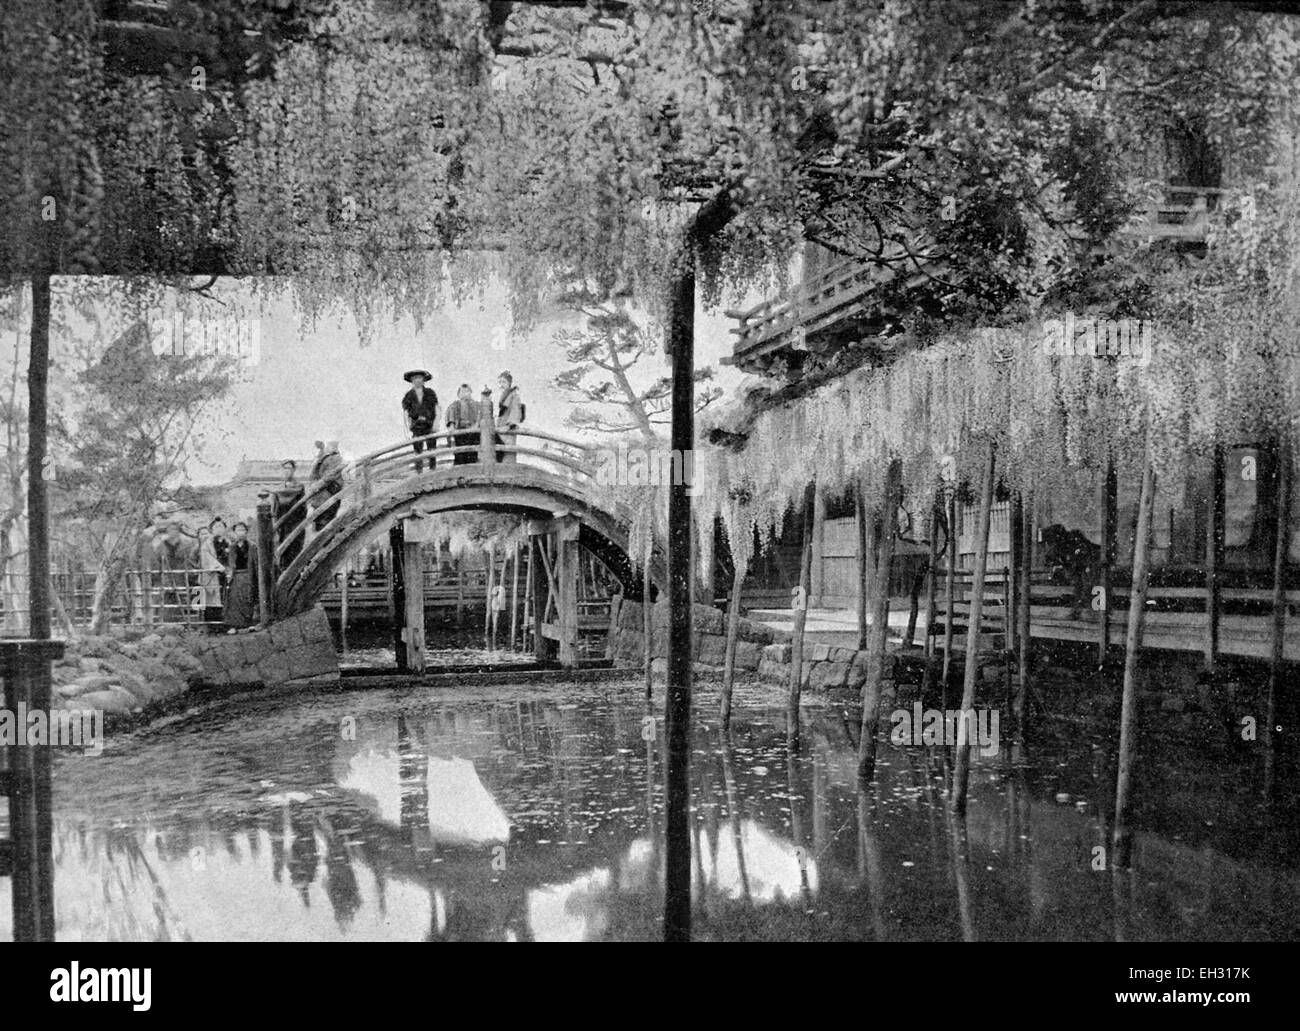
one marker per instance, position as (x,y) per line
(1175,616)
(818,302)
(142,598)
(1180,214)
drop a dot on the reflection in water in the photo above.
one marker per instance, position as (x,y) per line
(537,814)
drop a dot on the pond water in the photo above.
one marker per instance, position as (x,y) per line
(536,813)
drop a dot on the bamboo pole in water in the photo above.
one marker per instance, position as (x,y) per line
(733,628)
(931,589)
(961,768)
(343,610)
(1009,627)
(647,625)
(1133,642)
(884,547)
(1108,493)
(499,608)
(860,507)
(1214,560)
(488,621)
(817,578)
(801,600)
(949,592)
(1023,528)
(530,598)
(397,591)
(514,598)
(460,593)
(1281,543)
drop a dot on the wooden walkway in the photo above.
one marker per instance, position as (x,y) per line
(1175,620)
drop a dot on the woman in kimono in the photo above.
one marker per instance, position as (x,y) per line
(211,573)
(241,603)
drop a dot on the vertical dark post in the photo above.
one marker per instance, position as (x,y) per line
(460,594)
(489,614)
(1108,496)
(413,574)
(1133,642)
(25,669)
(1214,560)
(949,592)
(1281,541)
(733,628)
(1009,641)
(961,768)
(648,624)
(541,599)
(1023,528)
(886,532)
(860,511)
(343,610)
(567,572)
(681,347)
(514,595)
(800,619)
(32,817)
(265,559)
(1015,533)
(817,579)
(397,591)
(530,596)
(487,454)
(931,589)
(38,516)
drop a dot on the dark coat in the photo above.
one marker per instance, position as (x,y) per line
(422,410)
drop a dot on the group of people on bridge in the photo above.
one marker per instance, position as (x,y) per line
(462,419)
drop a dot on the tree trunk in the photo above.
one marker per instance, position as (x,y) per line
(1277,644)
(733,628)
(961,768)
(884,546)
(800,614)
(38,515)
(1133,643)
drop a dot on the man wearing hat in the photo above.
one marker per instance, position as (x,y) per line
(421,407)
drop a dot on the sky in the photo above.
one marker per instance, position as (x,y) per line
(318,383)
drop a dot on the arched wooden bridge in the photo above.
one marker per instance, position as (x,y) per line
(550,479)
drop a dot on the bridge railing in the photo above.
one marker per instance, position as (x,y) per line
(446,454)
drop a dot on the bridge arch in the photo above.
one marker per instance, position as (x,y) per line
(540,484)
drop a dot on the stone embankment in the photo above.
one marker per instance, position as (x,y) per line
(142,671)
(761,652)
